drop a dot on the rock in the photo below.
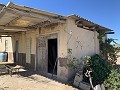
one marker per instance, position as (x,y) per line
(78,79)
(84,86)
(99,87)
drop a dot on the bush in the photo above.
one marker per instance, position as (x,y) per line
(100,69)
(109,51)
(113,81)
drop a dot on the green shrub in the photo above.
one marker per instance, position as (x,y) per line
(74,63)
(100,69)
(113,81)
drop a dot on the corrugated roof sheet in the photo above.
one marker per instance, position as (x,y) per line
(14,12)
(89,22)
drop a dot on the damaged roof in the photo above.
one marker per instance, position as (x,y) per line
(15,18)
(87,24)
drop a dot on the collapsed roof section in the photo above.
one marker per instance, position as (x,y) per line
(15,18)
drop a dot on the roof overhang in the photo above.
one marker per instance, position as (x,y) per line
(86,24)
(15,18)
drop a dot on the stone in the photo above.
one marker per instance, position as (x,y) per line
(99,87)
(84,86)
(102,87)
(76,83)
(78,77)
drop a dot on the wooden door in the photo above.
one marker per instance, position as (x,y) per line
(41,54)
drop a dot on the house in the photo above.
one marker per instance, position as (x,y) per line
(40,39)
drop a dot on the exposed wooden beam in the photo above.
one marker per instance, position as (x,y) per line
(7,33)
(92,27)
(78,22)
(34,15)
(41,24)
(5,36)
(2,12)
(85,27)
(14,20)
(13,28)
(109,32)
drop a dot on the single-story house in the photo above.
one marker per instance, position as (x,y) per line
(39,40)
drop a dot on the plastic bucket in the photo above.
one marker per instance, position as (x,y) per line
(3,56)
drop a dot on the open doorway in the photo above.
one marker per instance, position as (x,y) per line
(52,56)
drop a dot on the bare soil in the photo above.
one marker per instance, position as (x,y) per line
(30,81)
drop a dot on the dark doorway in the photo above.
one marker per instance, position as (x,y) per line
(52,56)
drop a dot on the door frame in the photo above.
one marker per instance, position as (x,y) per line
(48,36)
(56,62)
(52,36)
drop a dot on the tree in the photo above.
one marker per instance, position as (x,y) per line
(108,48)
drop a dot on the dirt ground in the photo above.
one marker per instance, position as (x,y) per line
(30,81)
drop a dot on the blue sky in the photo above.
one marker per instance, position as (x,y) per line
(103,12)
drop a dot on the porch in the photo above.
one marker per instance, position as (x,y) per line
(32,81)
(30,30)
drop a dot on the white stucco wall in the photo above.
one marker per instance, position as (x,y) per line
(62,53)
(82,42)
(22,38)
(2,44)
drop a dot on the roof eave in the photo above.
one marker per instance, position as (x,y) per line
(1,6)
(76,17)
(33,10)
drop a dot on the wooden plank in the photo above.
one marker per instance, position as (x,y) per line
(5,36)
(5,63)
(13,28)
(13,20)
(35,15)
(7,17)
